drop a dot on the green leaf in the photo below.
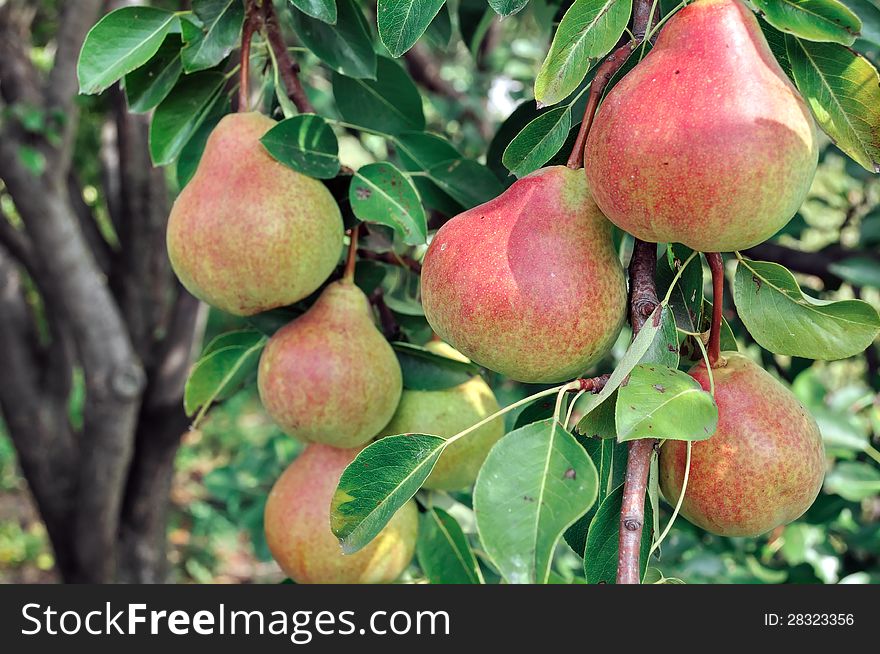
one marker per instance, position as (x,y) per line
(664,349)
(425,371)
(180,114)
(390,104)
(465,181)
(191,154)
(728,340)
(603,540)
(439,32)
(121,41)
(443,550)
(237,338)
(402,22)
(346,46)
(842,89)
(815,20)
(858,271)
(323,10)
(686,299)
(588,31)
(305,143)
(380,193)
(535,483)
(505,8)
(660,402)
(382,478)
(220,33)
(853,480)
(536,144)
(869,13)
(785,321)
(776,41)
(637,349)
(610,458)
(147,86)
(221,372)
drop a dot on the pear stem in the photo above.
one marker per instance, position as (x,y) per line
(251,25)
(287,67)
(351,258)
(716,265)
(604,73)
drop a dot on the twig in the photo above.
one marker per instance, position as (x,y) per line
(252,22)
(288,69)
(643,301)
(716,265)
(390,328)
(351,258)
(392,258)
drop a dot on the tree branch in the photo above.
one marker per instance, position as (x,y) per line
(716,265)
(643,301)
(288,69)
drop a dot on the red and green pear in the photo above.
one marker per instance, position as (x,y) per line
(248,234)
(528,284)
(705,142)
(765,463)
(330,376)
(297,526)
(445,413)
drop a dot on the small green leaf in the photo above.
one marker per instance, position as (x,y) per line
(785,321)
(869,13)
(815,20)
(842,89)
(443,550)
(323,10)
(121,41)
(382,478)
(637,349)
(588,31)
(603,540)
(425,371)
(660,402)
(858,271)
(535,483)
(191,153)
(346,45)
(610,458)
(538,142)
(664,349)
(686,299)
(147,86)
(505,8)
(221,372)
(402,22)
(220,33)
(179,116)
(304,143)
(853,480)
(389,104)
(465,181)
(380,193)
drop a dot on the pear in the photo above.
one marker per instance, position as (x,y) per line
(248,234)
(705,142)
(297,526)
(765,463)
(528,284)
(445,413)
(329,376)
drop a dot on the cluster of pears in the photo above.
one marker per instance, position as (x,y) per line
(705,142)
(248,234)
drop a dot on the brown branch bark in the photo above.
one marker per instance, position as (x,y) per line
(288,69)
(643,301)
